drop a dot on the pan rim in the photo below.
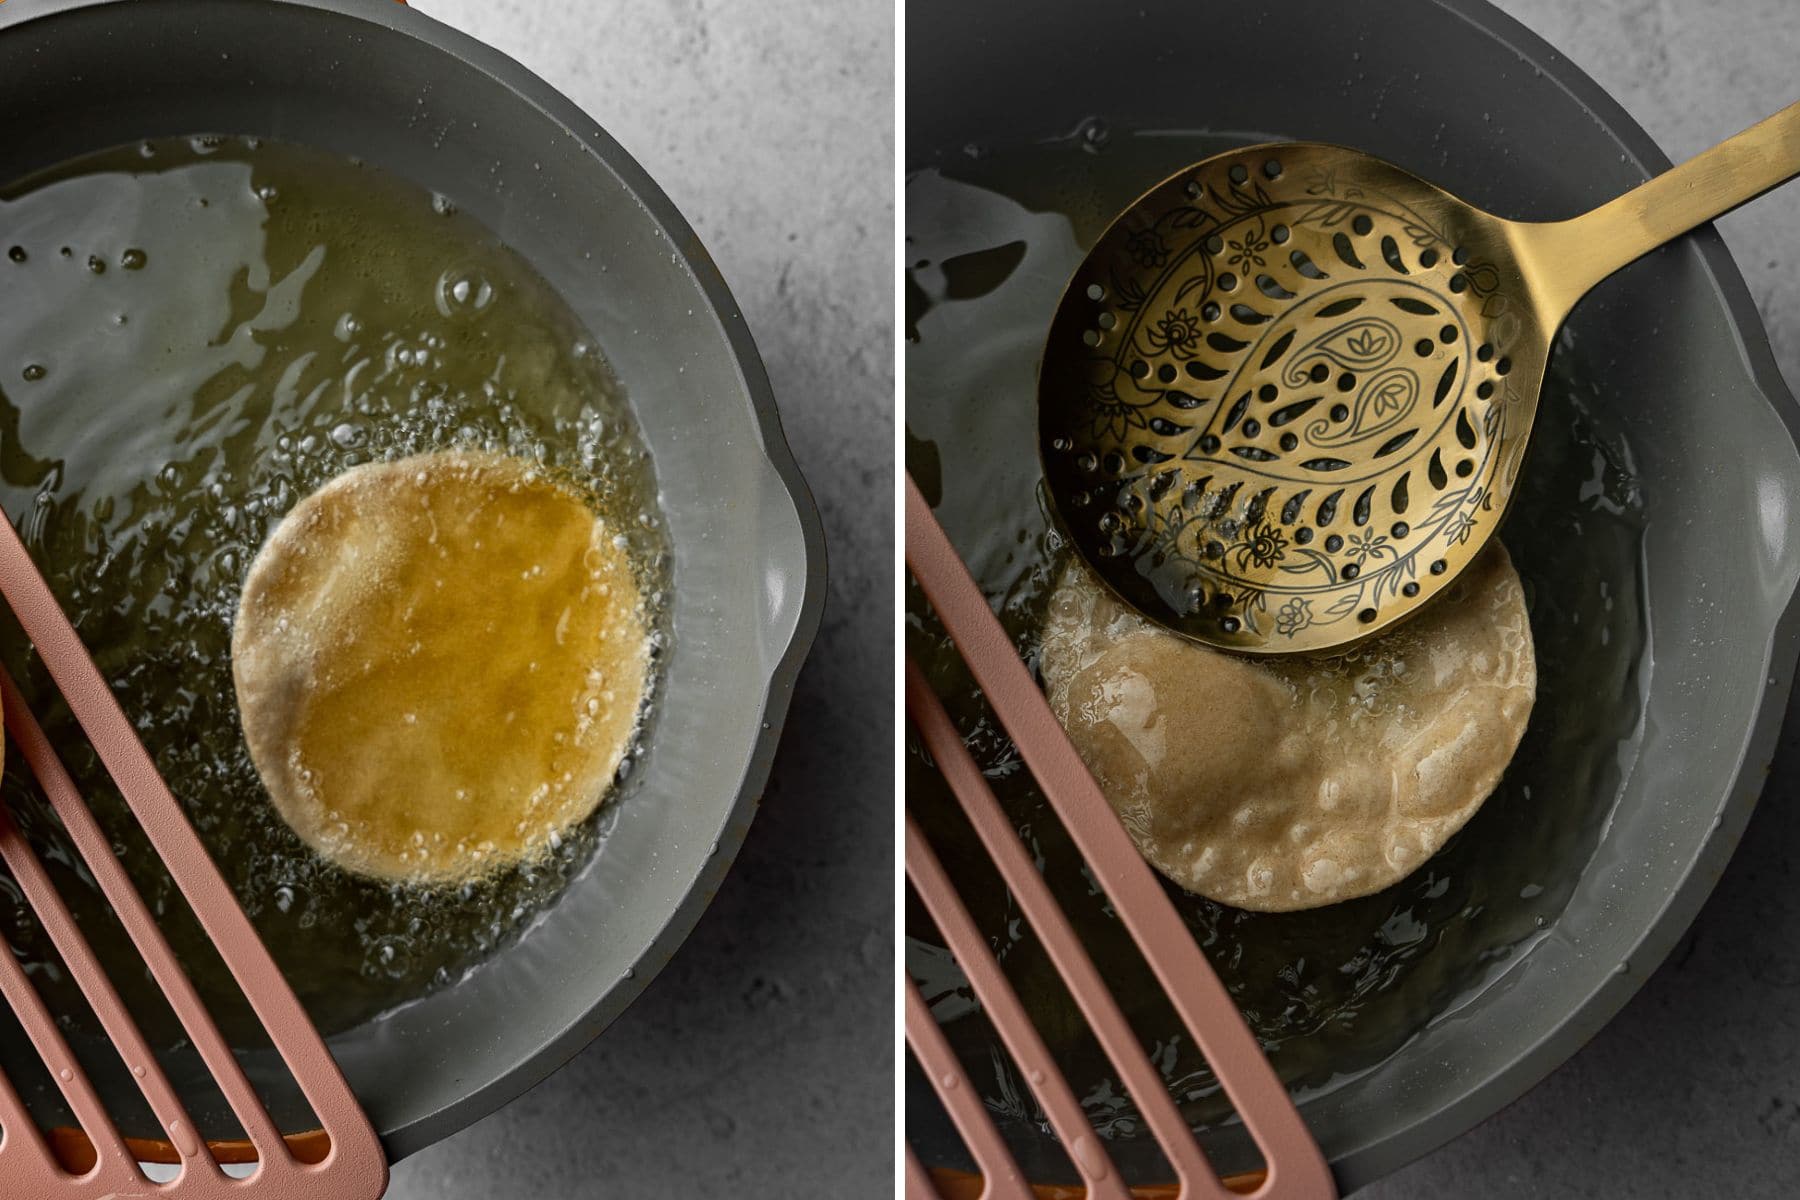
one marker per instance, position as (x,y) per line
(1486,1095)
(754,387)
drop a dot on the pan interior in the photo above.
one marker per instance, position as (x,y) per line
(1333,991)
(250,319)
(406,96)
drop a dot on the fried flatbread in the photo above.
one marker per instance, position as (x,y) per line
(439,665)
(1279,784)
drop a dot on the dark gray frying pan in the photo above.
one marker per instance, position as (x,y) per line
(1465,97)
(354,77)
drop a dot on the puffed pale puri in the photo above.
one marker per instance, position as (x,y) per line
(1280,784)
(439,664)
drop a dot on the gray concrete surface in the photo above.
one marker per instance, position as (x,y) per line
(761,1062)
(1694,1090)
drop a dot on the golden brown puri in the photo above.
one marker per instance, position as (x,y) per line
(1279,784)
(439,664)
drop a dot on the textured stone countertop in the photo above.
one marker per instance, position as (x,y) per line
(760,1063)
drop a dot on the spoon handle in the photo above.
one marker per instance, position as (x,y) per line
(1569,257)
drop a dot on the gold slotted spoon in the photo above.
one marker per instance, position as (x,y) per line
(1284,399)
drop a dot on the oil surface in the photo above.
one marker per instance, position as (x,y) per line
(991,241)
(193,335)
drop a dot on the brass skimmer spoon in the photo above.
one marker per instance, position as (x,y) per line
(1284,399)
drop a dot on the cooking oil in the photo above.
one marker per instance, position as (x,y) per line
(194,334)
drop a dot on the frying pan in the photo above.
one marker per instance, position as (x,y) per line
(1466,97)
(363,78)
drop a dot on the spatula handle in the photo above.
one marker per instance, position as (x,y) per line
(1574,255)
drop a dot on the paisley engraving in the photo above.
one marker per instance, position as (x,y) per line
(1275,400)
(1383,403)
(1357,345)
(1352,380)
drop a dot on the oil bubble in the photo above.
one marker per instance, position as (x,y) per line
(463,292)
(389,958)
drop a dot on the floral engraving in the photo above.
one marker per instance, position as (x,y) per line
(1265,547)
(1177,332)
(1294,615)
(1148,249)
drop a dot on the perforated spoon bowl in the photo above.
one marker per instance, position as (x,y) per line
(1284,399)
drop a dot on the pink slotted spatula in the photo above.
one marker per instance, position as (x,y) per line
(1295,1169)
(353,1166)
